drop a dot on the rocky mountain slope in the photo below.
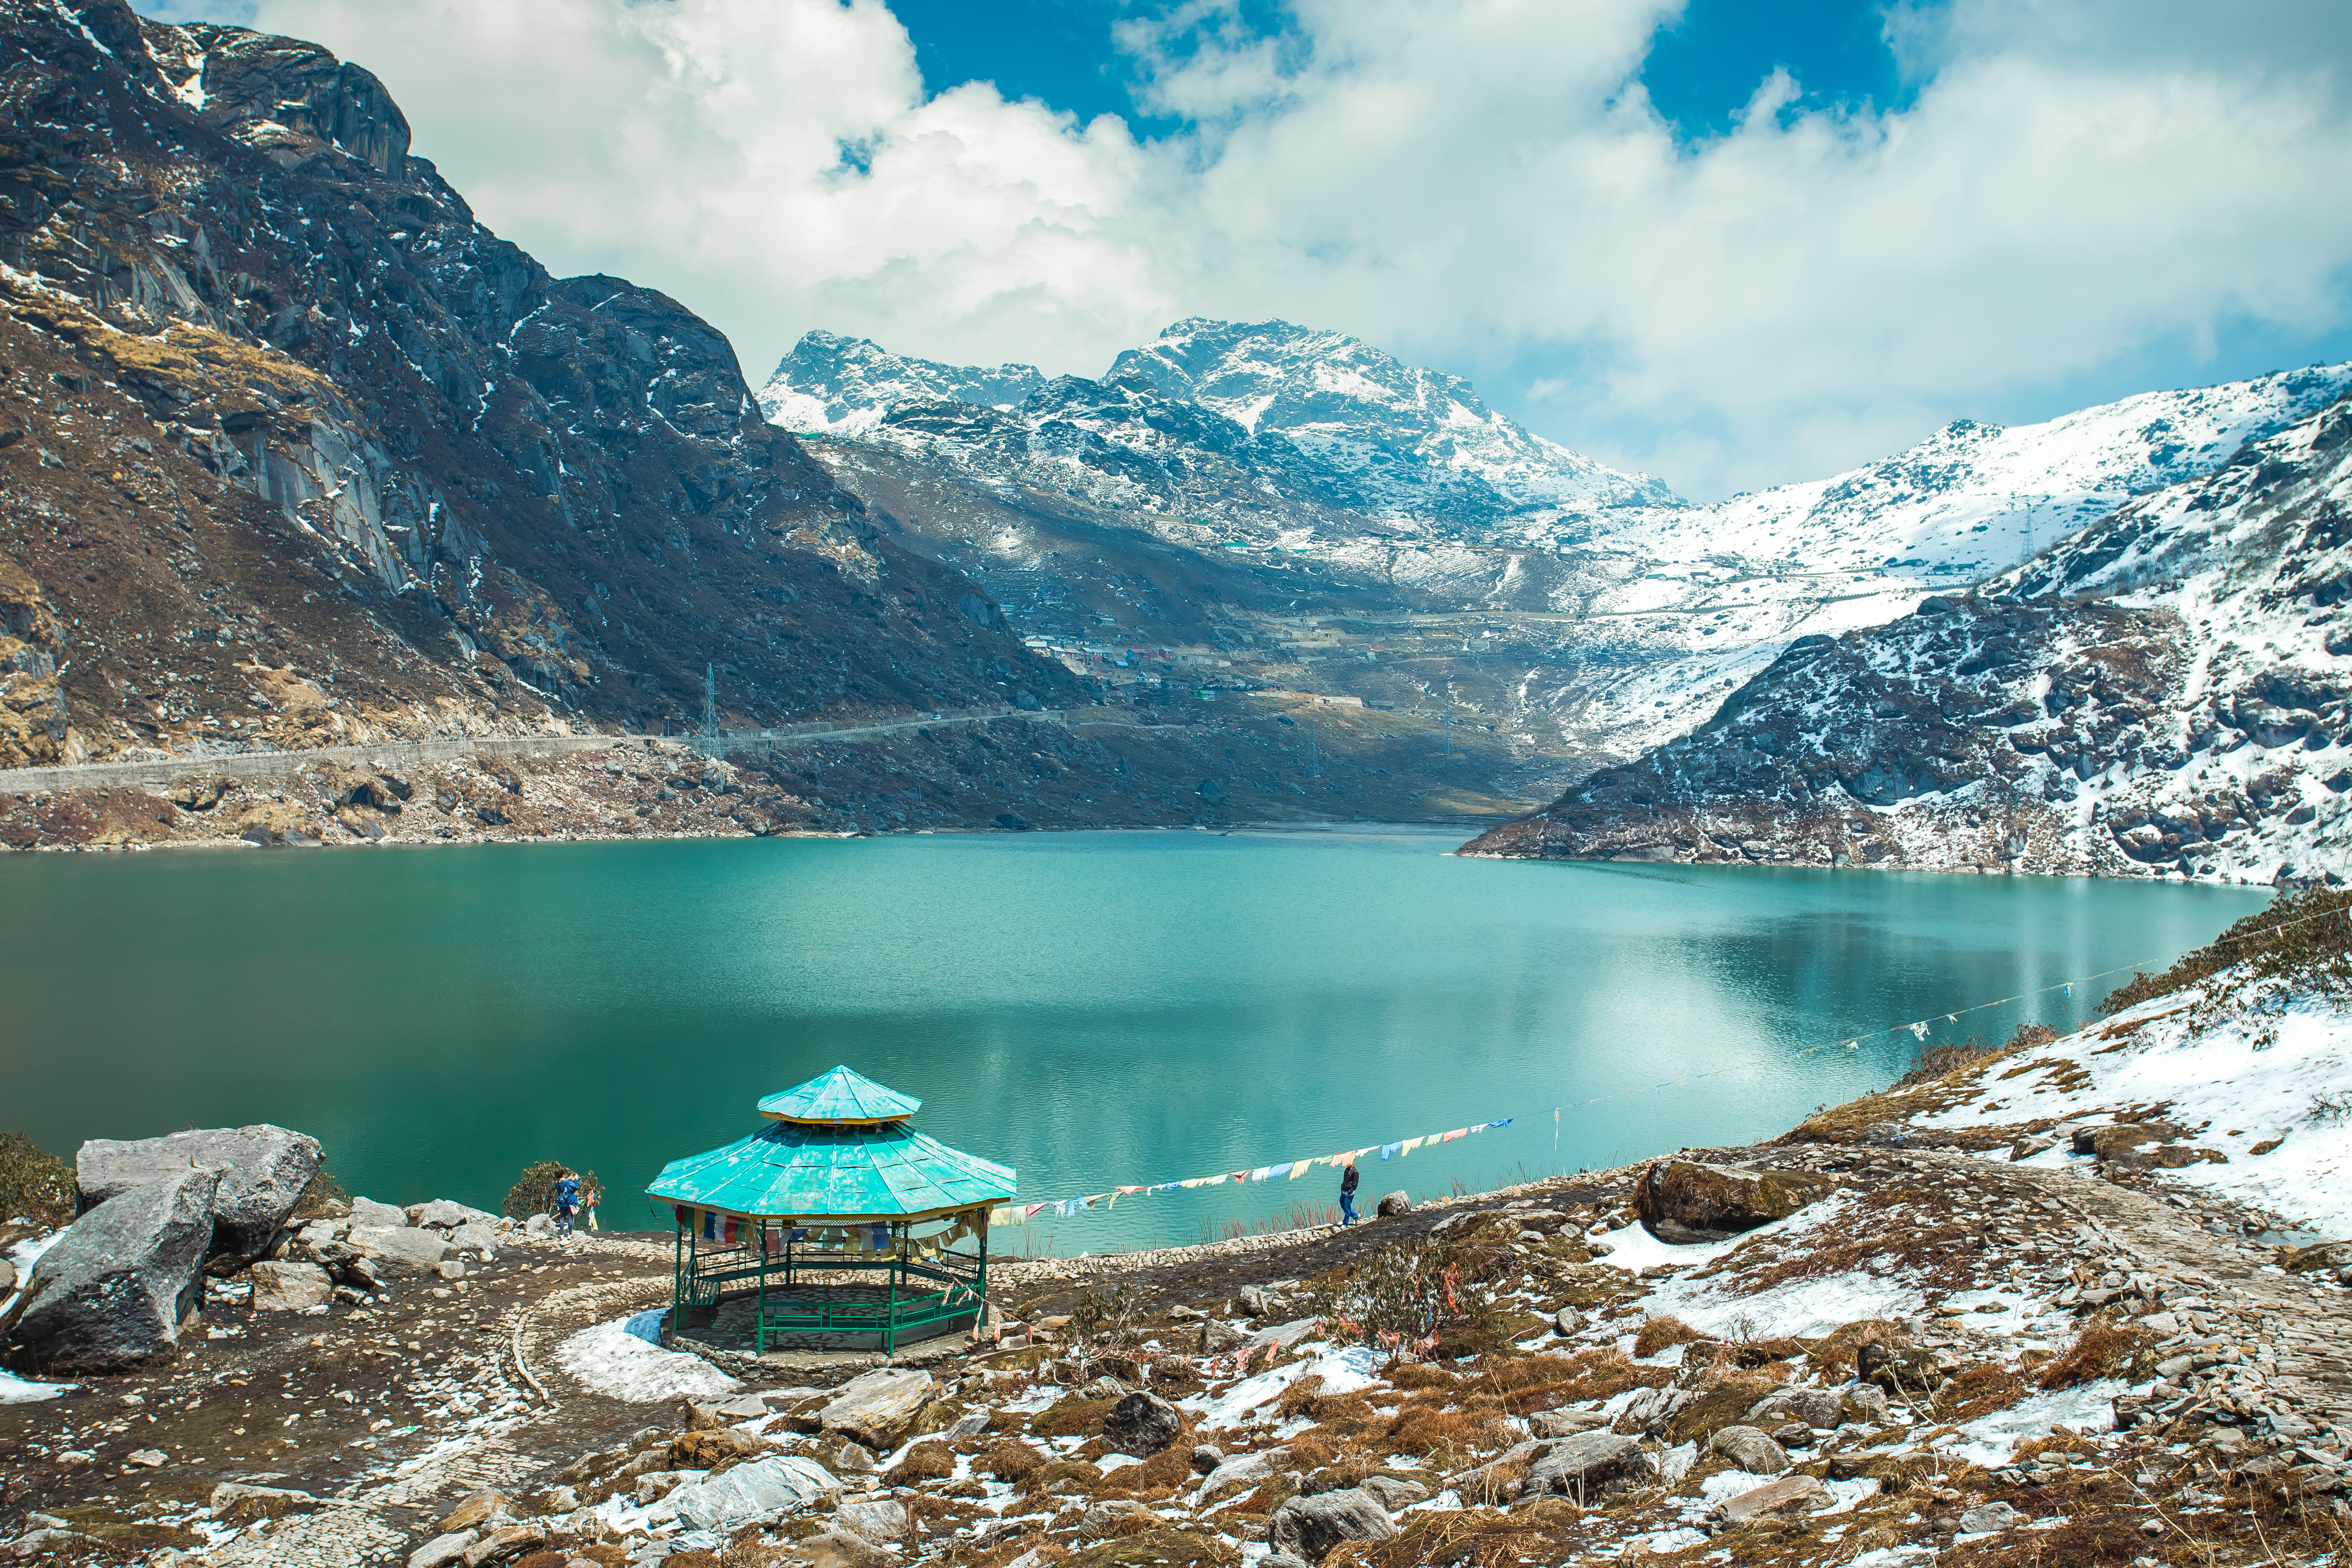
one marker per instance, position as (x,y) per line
(294,450)
(2164,693)
(1325,518)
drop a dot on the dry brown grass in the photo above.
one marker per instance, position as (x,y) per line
(2103,1349)
(1011,1460)
(923,1462)
(1979,1390)
(1431,1428)
(1414,1375)
(1660,1332)
(1071,1418)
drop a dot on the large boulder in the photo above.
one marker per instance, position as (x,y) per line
(1396,1202)
(1813,1407)
(1589,1464)
(111,1293)
(290,1286)
(402,1253)
(263,1170)
(1142,1424)
(1685,1201)
(876,1407)
(443,1214)
(762,1488)
(1308,1527)
(378,1216)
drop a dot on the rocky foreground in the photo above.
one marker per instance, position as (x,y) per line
(2021,1311)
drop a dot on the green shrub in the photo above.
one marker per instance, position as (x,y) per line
(33,1183)
(322,1192)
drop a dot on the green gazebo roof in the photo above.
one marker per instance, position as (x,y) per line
(851,1163)
(840,1096)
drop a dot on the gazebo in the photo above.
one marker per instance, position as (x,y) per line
(835,1183)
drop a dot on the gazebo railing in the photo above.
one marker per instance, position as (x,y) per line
(913,1290)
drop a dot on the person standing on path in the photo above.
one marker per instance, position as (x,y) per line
(1348,1179)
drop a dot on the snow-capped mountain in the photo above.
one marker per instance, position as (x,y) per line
(2166,691)
(1975,498)
(1718,590)
(1283,433)
(843,387)
(1359,412)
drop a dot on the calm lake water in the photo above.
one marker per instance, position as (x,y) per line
(1092,1008)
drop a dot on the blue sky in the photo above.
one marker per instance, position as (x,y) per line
(1700,71)
(1729,242)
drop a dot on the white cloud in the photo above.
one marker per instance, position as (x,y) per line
(1470,183)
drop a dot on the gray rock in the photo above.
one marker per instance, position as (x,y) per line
(1307,1527)
(289,1287)
(1280,1559)
(539,1224)
(875,1407)
(1568,1320)
(263,1170)
(1217,1338)
(1813,1407)
(1142,1424)
(1588,1465)
(1206,1457)
(1567,1423)
(443,1214)
(7,1277)
(1987,1517)
(111,1293)
(474,1238)
(1865,1402)
(878,1521)
(780,1484)
(1793,1434)
(1258,1300)
(1240,1470)
(379,1217)
(402,1253)
(1394,1203)
(970,1424)
(443,1550)
(1790,1494)
(1395,1492)
(1751,1450)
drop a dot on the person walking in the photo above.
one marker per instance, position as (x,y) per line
(588,1201)
(567,1202)
(1348,1179)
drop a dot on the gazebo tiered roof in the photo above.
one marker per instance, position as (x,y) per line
(836,1148)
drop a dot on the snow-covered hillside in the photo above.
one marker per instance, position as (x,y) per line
(844,385)
(2168,691)
(1973,499)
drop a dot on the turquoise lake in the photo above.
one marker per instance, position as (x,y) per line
(1095,1009)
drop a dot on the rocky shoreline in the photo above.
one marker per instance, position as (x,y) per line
(2023,1311)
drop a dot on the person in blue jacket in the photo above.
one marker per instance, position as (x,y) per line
(567,1202)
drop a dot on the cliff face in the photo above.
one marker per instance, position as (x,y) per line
(279,419)
(2168,692)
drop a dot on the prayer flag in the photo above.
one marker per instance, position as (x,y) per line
(1505,1122)
(1391,1150)
(1409,1145)
(1300,1168)
(1450,1137)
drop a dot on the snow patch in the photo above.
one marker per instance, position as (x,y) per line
(611,1359)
